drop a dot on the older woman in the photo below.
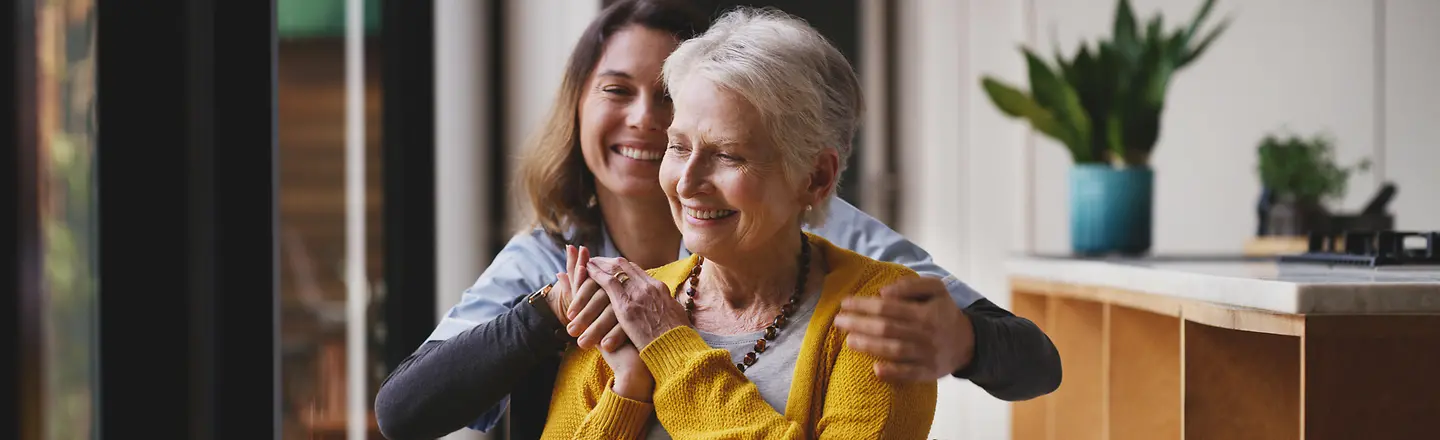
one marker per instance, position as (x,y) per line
(762,105)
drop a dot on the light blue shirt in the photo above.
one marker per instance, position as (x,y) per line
(531,260)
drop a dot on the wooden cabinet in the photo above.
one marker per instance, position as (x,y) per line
(1160,363)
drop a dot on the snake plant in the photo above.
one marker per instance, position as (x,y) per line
(1104,104)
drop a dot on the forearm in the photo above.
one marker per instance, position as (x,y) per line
(447,384)
(1014,360)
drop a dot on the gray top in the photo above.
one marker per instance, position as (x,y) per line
(773,372)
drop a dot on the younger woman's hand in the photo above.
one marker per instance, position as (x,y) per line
(566,290)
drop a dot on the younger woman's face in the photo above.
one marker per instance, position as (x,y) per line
(624,111)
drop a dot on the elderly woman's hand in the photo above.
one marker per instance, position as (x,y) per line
(632,378)
(914,327)
(642,303)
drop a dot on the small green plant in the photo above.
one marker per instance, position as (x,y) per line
(1304,169)
(1104,104)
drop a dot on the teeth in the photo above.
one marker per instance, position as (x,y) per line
(708,215)
(639,154)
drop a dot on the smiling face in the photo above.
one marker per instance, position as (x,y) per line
(725,179)
(624,111)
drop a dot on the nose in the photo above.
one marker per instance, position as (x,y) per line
(647,115)
(694,177)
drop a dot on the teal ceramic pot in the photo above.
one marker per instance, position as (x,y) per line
(1110,209)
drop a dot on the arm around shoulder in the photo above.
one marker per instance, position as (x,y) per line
(446,385)
(1014,359)
(478,353)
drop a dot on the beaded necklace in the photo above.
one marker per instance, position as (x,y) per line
(772,331)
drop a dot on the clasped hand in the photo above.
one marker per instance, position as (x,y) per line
(599,309)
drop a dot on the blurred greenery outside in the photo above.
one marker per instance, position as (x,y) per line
(65,56)
(320,18)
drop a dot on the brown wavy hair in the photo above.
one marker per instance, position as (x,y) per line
(552,172)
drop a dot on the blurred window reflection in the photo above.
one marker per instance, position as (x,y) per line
(312,223)
(65,101)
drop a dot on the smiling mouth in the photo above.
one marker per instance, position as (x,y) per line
(709,214)
(638,153)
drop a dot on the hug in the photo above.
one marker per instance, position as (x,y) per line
(691,272)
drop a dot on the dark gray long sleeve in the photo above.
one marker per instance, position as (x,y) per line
(1014,360)
(448,384)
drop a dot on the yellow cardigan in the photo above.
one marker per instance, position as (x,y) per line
(699,394)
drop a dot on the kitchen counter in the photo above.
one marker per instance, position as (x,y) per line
(1293,288)
(1208,348)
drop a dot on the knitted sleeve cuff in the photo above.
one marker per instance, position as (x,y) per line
(668,355)
(619,417)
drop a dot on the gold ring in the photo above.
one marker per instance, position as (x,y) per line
(622,277)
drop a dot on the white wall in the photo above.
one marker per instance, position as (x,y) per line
(1411,117)
(538,38)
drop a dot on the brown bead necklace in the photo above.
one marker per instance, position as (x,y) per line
(772,331)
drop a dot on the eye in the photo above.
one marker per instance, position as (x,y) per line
(616,90)
(677,148)
(729,157)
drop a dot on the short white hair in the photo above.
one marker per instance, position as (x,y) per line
(803,87)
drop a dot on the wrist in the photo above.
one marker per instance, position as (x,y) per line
(964,334)
(548,302)
(634,387)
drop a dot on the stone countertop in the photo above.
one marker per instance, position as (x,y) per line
(1292,288)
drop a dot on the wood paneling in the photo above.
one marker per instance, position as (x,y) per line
(1372,376)
(1171,370)
(1241,385)
(1078,331)
(1145,377)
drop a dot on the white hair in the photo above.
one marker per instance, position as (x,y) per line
(802,86)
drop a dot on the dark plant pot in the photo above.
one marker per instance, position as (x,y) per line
(1288,216)
(1110,209)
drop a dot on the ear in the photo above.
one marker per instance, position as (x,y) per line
(823,177)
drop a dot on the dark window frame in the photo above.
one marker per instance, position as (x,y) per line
(407,36)
(187,214)
(20,246)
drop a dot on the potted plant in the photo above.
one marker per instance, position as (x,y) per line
(1299,176)
(1104,105)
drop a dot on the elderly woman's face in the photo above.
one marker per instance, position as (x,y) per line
(724,178)
(624,111)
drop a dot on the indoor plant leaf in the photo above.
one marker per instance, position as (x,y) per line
(1060,98)
(1017,104)
(1193,54)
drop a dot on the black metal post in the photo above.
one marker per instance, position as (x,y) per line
(408,133)
(186,191)
(20,245)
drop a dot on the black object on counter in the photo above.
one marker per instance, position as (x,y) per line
(1373,249)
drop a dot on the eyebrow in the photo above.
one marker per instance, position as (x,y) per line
(615,73)
(722,142)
